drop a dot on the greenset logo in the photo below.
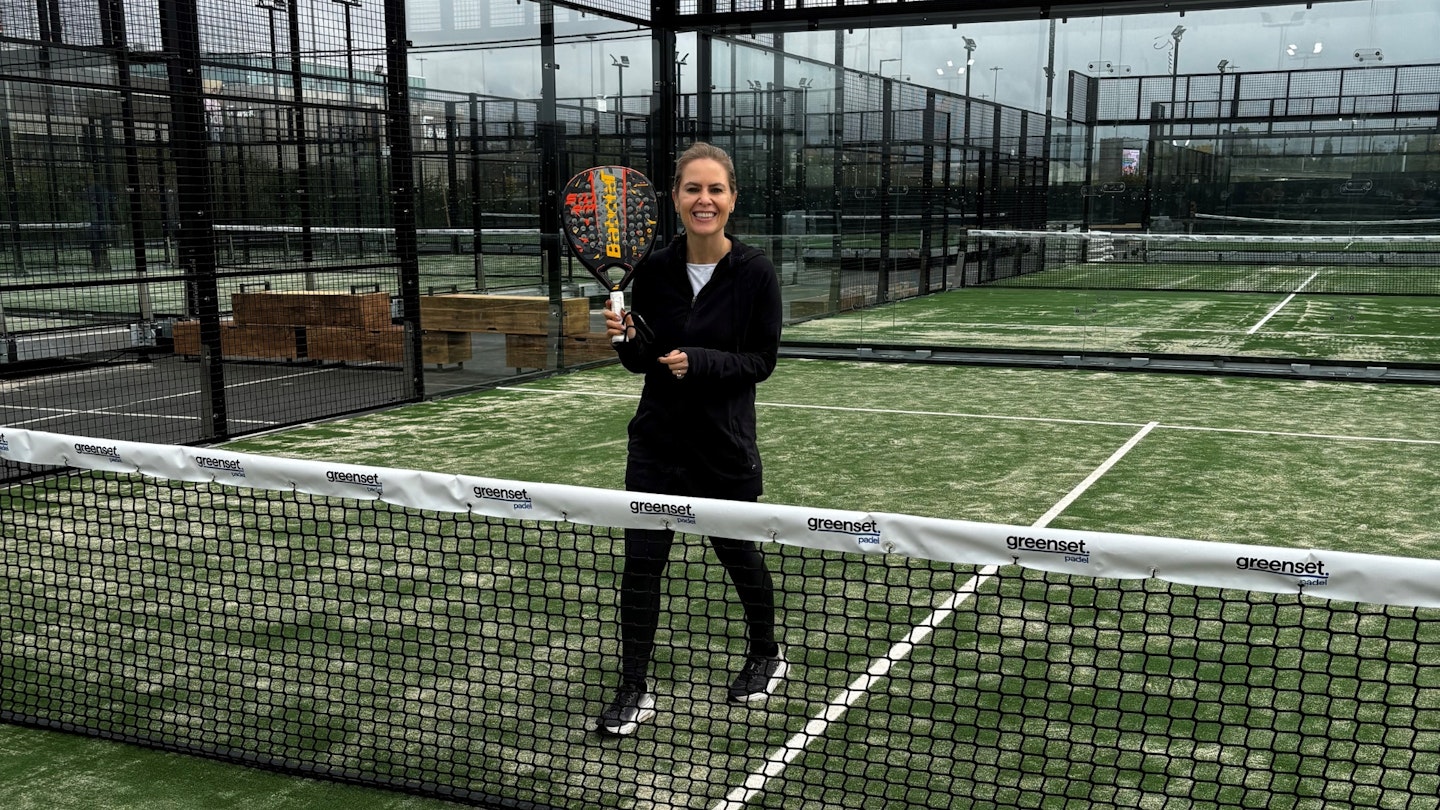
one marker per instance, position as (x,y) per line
(1071,550)
(228,465)
(370,481)
(517,498)
(682,512)
(109,451)
(1309,572)
(862,532)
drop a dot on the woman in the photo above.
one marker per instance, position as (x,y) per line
(711,308)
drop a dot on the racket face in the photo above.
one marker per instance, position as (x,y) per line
(609,217)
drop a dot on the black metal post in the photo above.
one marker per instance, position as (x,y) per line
(664,114)
(927,191)
(402,188)
(272,6)
(837,170)
(775,139)
(12,185)
(1049,127)
(116,39)
(300,138)
(180,35)
(351,141)
(887,137)
(704,86)
(476,210)
(550,131)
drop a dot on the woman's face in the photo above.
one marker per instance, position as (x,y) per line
(704,200)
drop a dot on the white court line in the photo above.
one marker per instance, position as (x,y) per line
(880,667)
(1252,330)
(845,409)
(1005,418)
(61,413)
(56,413)
(1301,435)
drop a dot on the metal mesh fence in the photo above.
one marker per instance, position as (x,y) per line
(131,140)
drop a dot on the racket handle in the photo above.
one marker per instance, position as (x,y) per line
(617,306)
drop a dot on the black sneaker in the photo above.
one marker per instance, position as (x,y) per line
(632,706)
(759,678)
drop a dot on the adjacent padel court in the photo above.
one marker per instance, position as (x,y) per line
(1335,298)
(468,656)
(1377,329)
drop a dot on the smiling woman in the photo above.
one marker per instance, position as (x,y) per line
(705,197)
(713,307)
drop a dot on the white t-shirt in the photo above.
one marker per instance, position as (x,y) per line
(699,276)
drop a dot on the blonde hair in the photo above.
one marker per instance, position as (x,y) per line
(701,150)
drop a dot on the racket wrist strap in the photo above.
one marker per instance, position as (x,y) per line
(643,332)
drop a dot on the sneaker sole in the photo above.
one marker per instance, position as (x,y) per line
(627,729)
(770,687)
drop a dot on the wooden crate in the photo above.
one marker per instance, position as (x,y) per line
(822,305)
(240,340)
(528,351)
(355,345)
(186,335)
(313,308)
(509,314)
(259,340)
(443,348)
(268,307)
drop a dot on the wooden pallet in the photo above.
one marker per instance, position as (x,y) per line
(507,314)
(529,351)
(312,308)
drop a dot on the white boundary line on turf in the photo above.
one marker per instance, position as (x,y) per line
(1252,330)
(1004,418)
(879,668)
(848,409)
(109,410)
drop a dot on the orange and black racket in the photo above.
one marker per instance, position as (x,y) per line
(609,214)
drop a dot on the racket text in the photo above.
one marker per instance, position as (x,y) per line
(612,216)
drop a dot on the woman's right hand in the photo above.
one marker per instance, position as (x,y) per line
(614,321)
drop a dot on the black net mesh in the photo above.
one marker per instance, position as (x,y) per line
(468,657)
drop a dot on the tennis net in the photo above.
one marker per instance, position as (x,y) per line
(455,636)
(1279,226)
(1394,264)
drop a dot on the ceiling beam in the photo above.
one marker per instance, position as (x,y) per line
(815,15)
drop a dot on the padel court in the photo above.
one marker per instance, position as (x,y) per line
(1362,328)
(964,686)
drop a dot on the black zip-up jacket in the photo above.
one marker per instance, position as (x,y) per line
(696,436)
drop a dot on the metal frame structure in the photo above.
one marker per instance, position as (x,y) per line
(769,16)
(1232,109)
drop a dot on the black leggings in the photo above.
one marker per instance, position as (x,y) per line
(647,552)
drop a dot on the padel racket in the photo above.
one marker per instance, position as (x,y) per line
(609,216)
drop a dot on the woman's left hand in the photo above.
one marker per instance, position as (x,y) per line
(679,363)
